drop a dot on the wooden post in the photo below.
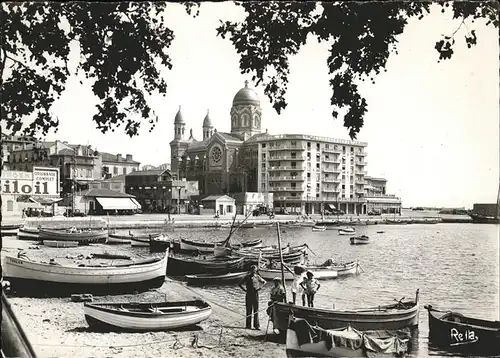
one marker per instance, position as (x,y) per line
(281,257)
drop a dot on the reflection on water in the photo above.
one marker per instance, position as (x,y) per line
(456,267)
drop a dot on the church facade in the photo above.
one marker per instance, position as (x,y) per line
(305,173)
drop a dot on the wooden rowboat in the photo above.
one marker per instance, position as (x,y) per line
(10,230)
(347,231)
(403,314)
(114,239)
(181,266)
(159,244)
(318,272)
(52,279)
(83,237)
(455,332)
(146,317)
(210,279)
(28,233)
(209,247)
(319,228)
(360,240)
(53,243)
(343,342)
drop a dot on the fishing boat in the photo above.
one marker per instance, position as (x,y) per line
(145,317)
(347,231)
(140,241)
(403,314)
(115,239)
(10,230)
(209,247)
(318,228)
(343,342)
(181,265)
(222,250)
(319,272)
(55,243)
(342,268)
(28,233)
(359,240)
(210,279)
(53,279)
(160,243)
(84,237)
(455,332)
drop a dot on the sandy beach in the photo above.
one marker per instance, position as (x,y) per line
(56,327)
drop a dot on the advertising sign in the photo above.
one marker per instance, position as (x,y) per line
(41,182)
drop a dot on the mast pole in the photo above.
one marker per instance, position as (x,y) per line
(281,258)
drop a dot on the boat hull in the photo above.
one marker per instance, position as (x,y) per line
(342,232)
(28,234)
(181,266)
(359,241)
(117,240)
(469,335)
(84,238)
(51,243)
(318,272)
(136,242)
(208,279)
(361,320)
(480,219)
(105,319)
(40,279)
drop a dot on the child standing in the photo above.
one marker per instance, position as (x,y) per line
(310,286)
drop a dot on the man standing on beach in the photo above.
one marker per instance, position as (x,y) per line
(253,283)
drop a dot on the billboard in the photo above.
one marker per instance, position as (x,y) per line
(41,182)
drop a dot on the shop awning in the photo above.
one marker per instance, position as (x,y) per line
(136,203)
(44,201)
(117,203)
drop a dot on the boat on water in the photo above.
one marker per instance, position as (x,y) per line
(359,240)
(306,340)
(183,265)
(55,243)
(209,247)
(10,230)
(380,232)
(53,279)
(347,231)
(84,237)
(221,250)
(290,254)
(28,233)
(455,332)
(318,228)
(319,272)
(144,317)
(211,279)
(342,268)
(403,314)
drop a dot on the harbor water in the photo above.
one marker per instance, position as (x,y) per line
(455,266)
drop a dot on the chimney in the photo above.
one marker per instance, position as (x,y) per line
(128,157)
(118,157)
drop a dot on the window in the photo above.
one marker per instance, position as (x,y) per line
(317,165)
(327,157)
(294,185)
(263,145)
(309,155)
(343,148)
(115,170)
(343,186)
(352,149)
(294,155)
(124,171)
(293,143)
(309,176)
(309,145)
(317,185)
(294,164)
(293,194)
(327,146)
(263,156)
(317,195)
(317,146)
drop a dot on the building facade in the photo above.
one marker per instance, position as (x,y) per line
(303,172)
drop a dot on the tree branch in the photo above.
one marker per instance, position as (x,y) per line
(15,60)
(4,59)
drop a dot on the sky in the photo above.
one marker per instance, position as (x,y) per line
(432,128)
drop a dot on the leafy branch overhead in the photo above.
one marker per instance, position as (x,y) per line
(360,37)
(120,48)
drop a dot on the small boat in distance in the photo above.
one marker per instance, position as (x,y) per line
(347,341)
(145,317)
(359,240)
(347,231)
(380,232)
(455,332)
(318,228)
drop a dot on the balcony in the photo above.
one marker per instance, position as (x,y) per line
(285,157)
(332,150)
(331,160)
(287,198)
(286,147)
(286,188)
(286,178)
(331,170)
(330,180)
(362,164)
(362,154)
(285,167)
(360,172)
(330,190)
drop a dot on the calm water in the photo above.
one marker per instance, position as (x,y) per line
(455,266)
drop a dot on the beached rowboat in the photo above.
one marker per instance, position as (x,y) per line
(181,266)
(455,332)
(210,279)
(52,279)
(403,314)
(359,240)
(28,233)
(114,239)
(53,243)
(10,230)
(343,342)
(84,237)
(146,317)
(209,247)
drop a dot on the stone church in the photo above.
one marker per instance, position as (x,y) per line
(221,162)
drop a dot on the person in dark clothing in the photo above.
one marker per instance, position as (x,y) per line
(251,284)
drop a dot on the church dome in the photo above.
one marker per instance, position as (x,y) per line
(207,122)
(246,96)
(178,117)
